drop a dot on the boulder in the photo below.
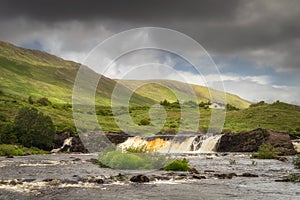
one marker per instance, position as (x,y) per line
(117,137)
(139,179)
(249,141)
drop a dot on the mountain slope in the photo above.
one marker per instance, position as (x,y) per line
(35,73)
(168,88)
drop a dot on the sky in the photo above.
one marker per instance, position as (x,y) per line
(255,45)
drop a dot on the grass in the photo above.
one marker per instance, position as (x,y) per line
(16,150)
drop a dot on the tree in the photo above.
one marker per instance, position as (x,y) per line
(33,128)
(7,135)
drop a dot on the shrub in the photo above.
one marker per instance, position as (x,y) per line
(140,149)
(144,122)
(34,129)
(230,107)
(265,151)
(119,160)
(43,101)
(292,178)
(7,135)
(296,161)
(177,165)
(30,100)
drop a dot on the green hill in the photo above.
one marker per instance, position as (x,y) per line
(168,88)
(277,116)
(26,73)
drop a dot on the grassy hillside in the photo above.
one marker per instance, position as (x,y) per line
(276,116)
(37,74)
(167,89)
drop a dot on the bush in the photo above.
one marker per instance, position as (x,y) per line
(296,161)
(119,160)
(230,107)
(7,135)
(44,101)
(140,149)
(177,165)
(34,129)
(265,151)
(144,122)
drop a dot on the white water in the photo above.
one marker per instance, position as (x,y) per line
(179,144)
(210,144)
(296,144)
(67,142)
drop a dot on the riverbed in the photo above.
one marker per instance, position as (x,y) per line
(74,176)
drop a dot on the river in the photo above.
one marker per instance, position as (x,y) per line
(34,176)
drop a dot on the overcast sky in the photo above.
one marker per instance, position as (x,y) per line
(255,44)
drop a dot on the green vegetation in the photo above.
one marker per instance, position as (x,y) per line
(296,161)
(140,149)
(277,116)
(16,150)
(265,151)
(119,160)
(177,165)
(295,178)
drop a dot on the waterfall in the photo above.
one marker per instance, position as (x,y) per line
(173,144)
(67,144)
(209,144)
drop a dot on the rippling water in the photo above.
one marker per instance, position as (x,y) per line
(37,168)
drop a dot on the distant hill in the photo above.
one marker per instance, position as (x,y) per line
(166,89)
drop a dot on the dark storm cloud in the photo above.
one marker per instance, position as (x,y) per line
(263,31)
(133,10)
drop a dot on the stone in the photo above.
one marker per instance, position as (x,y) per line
(198,177)
(139,179)
(193,170)
(246,174)
(225,176)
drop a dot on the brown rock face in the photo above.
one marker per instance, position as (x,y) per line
(251,140)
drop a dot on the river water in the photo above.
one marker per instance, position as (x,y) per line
(34,171)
